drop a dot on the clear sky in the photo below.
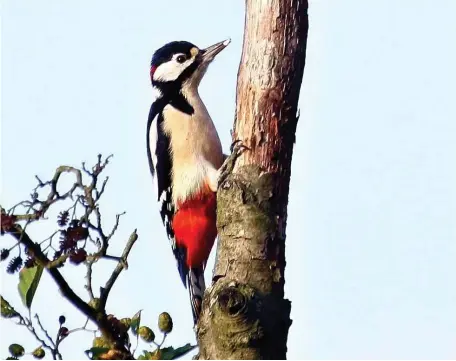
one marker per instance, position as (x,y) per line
(371,245)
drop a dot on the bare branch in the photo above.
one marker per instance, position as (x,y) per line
(116,225)
(120,267)
(74,239)
(44,330)
(88,285)
(83,328)
(28,324)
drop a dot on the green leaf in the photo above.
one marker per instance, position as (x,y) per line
(29,278)
(16,350)
(7,310)
(135,321)
(171,353)
(95,352)
(148,355)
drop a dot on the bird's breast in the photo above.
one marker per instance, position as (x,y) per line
(194,146)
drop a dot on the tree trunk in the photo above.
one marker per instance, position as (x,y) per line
(245,315)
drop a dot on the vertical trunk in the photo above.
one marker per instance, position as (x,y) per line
(245,315)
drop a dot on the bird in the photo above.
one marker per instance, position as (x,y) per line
(185,158)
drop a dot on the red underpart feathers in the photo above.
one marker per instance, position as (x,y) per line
(195,227)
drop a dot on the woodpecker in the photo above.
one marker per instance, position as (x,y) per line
(185,158)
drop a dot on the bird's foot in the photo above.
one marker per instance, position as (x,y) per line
(237,148)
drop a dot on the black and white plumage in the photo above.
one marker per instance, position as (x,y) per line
(184,154)
(158,148)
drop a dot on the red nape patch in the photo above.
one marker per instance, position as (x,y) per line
(195,227)
(152,71)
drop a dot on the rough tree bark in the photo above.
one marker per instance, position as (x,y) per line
(245,314)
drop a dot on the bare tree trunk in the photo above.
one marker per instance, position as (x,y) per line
(245,315)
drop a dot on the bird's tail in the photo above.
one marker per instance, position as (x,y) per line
(196,287)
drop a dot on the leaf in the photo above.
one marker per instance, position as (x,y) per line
(149,355)
(135,321)
(29,278)
(95,352)
(7,310)
(171,353)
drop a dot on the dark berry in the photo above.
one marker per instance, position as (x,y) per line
(14,265)
(63,332)
(62,218)
(78,256)
(4,253)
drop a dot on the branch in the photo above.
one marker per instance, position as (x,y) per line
(76,233)
(44,330)
(28,324)
(18,233)
(119,268)
(98,316)
(88,285)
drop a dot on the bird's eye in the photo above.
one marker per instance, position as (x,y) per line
(180,59)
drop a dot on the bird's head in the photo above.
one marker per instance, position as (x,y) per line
(181,63)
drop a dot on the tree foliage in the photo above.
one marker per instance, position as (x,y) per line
(80,239)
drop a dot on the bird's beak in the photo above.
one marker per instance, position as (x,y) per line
(210,52)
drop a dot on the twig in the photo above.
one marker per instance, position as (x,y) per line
(98,317)
(27,322)
(54,195)
(18,233)
(22,203)
(50,238)
(44,330)
(104,293)
(88,285)
(163,341)
(116,225)
(87,195)
(159,345)
(83,328)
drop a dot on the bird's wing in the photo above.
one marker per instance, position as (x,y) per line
(160,164)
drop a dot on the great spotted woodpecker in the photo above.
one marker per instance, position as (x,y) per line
(185,158)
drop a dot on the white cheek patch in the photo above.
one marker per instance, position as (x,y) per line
(171,70)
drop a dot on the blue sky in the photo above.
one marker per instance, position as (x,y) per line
(371,242)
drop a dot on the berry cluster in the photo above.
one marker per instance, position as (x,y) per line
(69,239)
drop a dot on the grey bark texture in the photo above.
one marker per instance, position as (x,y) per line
(245,314)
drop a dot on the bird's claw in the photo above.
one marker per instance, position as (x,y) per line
(236,148)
